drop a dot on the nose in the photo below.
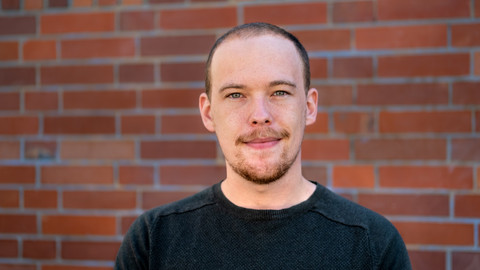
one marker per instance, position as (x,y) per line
(260,113)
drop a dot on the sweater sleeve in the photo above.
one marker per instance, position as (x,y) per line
(394,255)
(135,248)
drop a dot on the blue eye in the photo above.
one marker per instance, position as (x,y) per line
(280,93)
(235,95)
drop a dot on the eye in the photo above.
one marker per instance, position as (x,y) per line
(235,95)
(280,93)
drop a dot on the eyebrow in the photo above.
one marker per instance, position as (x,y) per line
(232,86)
(271,84)
(282,82)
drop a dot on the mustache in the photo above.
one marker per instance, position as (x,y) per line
(265,132)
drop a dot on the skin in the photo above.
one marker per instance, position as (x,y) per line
(258,109)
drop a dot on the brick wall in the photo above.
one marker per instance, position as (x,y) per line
(99,118)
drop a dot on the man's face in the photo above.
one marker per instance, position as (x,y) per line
(258,106)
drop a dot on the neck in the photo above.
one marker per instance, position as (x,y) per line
(287,191)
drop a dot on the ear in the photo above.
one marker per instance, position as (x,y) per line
(312,103)
(205,112)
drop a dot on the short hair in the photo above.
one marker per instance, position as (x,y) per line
(253,30)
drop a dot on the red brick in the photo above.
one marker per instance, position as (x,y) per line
(8,248)
(413,9)
(79,125)
(77,175)
(320,125)
(135,175)
(198,18)
(399,37)
(78,225)
(18,125)
(426,177)
(329,149)
(400,149)
(32,4)
(465,35)
(355,67)
(406,204)
(24,25)
(11,4)
(73,267)
(97,100)
(465,260)
(9,101)
(10,198)
(57,3)
(180,72)
(76,74)
(39,50)
(424,65)
(427,260)
(106,149)
(9,150)
(353,176)
(466,93)
(77,23)
(126,223)
(10,76)
(98,48)
(431,233)
(465,205)
(41,101)
(178,124)
(151,199)
(138,124)
(107,2)
(466,149)
(137,20)
(321,40)
(39,249)
(18,223)
(191,175)
(353,12)
(477,8)
(437,121)
(332,95)
(171,98)
(18,266)
(8,50)
(477,122)
(91,250)
(40,199)
(282,14)
(178,149)
(477,64)
(315,173)
(403,94)
(354,122)
(17,174)
(40,150)
(318,68)
(136,73)
(114,200)
(164,1)
(176,45)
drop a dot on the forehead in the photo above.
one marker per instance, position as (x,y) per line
(248,59)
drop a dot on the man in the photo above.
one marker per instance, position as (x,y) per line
(265,214)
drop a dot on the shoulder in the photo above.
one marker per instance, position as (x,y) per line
(199,200)
(386,244)
(344,211)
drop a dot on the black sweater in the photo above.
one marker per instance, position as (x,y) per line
(207,231)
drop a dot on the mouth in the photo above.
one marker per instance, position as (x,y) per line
(262,138)
(262,143)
